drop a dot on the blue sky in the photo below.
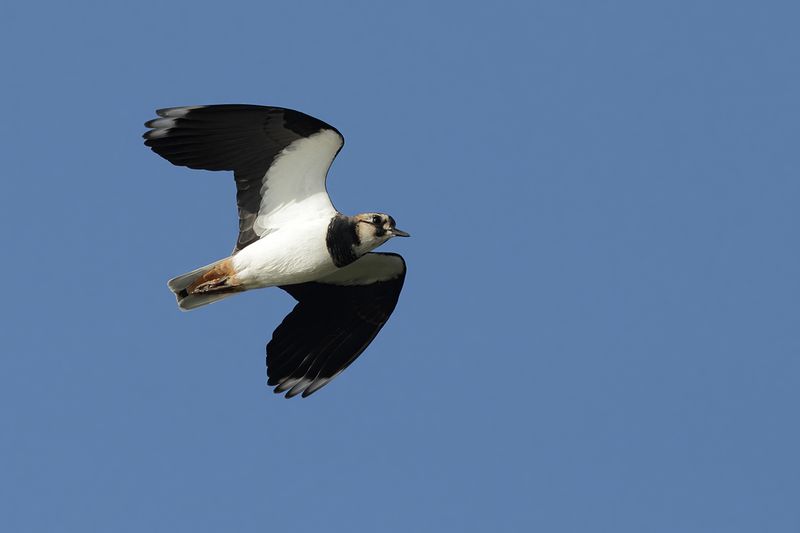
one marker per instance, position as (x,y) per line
(599,328)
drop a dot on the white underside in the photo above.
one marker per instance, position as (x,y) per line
(293,254)
(293,217)
(294,186)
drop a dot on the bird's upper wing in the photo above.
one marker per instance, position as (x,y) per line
(279,158)
(334,320)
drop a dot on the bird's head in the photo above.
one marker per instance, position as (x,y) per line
(374,229)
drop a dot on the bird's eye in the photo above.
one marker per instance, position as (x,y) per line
(376,219)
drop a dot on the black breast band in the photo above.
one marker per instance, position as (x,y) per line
(342,240)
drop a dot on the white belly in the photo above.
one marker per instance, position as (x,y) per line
(289,255)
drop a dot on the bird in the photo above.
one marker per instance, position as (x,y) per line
(290,236)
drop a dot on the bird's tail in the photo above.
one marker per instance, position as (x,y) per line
(205,285)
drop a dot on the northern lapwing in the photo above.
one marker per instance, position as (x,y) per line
(290,236)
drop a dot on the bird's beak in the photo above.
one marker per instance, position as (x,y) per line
(399,233)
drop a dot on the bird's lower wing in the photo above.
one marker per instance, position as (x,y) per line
(333,322)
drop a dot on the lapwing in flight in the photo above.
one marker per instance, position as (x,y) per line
(290,236)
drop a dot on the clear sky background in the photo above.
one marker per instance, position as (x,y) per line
(599,328)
